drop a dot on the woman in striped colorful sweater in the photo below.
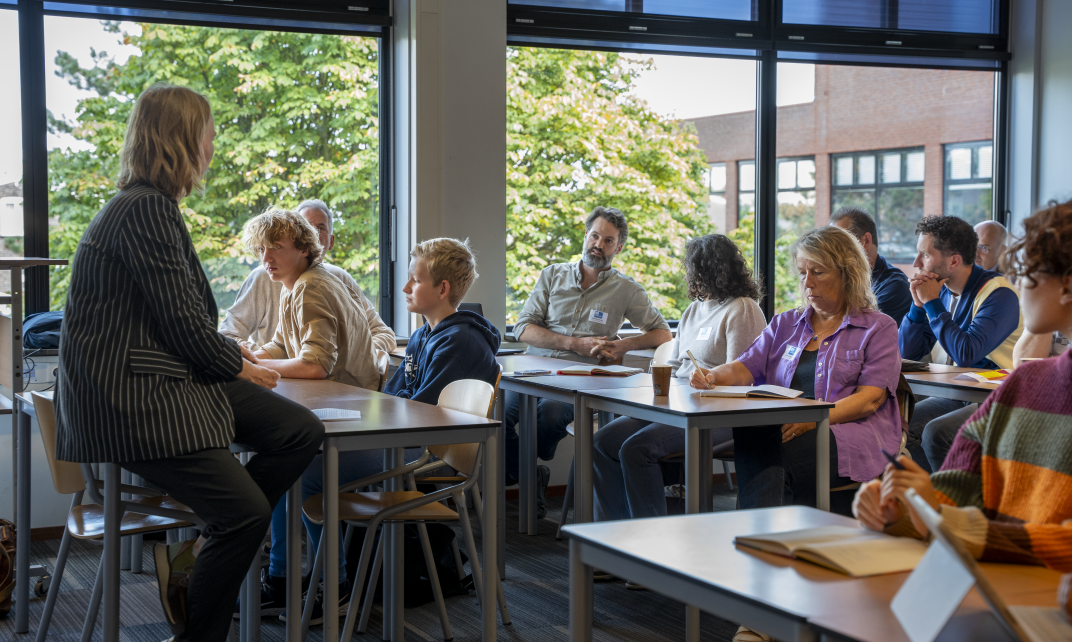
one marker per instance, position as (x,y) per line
(1006,485)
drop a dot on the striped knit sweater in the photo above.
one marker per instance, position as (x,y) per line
(1006,486)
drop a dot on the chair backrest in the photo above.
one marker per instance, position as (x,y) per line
(662,353)
(383,364)
(473,397)
(66,476)
(472,307)
(906,402)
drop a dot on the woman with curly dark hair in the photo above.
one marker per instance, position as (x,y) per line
(720,324)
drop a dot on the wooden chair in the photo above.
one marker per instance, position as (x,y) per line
(87,521)
(370,509)
(383,364)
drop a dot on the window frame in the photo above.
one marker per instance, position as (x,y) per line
(306,17)
(950,184)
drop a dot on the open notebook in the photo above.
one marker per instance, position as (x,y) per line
(600,371)
(852,551)
(766,390)
(336,414)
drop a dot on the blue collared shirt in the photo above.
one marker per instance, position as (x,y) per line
(890,286)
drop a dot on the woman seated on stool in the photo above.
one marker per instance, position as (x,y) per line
(1004,486)
(835,347)
(723,321)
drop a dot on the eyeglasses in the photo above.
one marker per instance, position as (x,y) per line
(985,249)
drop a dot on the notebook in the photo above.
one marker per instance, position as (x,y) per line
(908,365)
(993,377)
(766,390)
(852,551)
(336,414)
(600,371)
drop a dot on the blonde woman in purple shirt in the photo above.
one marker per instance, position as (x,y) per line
(835,347)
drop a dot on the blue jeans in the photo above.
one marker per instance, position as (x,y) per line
(628,478)
(552,418)
(770,473)
(935,424)
(353,465)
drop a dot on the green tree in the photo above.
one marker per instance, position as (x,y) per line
(785,281)
(296,116)
(577,138)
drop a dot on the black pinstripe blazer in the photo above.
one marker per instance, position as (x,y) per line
(142,368)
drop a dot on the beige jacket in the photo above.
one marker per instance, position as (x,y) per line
(319,321)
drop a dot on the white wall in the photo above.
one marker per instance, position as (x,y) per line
(1040,104)
(451,140)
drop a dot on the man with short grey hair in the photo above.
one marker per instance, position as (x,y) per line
(991,246)
(255,313)
(574,313)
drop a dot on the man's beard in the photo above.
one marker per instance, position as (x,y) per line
(596,261)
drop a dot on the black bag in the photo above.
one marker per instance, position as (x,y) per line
(418,588)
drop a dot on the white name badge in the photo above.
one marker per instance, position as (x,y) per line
(705,334)
(597,316)
(791,353)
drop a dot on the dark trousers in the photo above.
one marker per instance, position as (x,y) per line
(235,501)
(770,473)
(552,418)
(935,424)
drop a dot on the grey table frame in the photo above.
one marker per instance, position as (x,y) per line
(490,435)
(697,427)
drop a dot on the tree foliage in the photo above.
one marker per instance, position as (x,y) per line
(296,117)
(577,138)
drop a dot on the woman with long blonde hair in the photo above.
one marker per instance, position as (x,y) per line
(146,381)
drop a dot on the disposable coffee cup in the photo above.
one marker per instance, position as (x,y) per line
(660,380)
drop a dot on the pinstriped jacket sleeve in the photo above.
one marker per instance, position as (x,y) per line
(153,244)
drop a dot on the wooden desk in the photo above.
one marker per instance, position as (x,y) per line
(692,558)
(940,382)
(393,424)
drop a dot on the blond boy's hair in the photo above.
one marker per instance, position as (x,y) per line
(162,147)
(268,228)
(449,260)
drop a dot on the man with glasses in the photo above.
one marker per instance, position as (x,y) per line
(991,246)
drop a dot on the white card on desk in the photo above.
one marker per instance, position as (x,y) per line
(932,593)
(336,414)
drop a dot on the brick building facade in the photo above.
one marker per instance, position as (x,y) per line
(911,120)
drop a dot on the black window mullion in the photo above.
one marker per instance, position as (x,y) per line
(999,174)
(34,151)
(766,207)
(387,178)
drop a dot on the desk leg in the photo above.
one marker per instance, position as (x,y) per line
(822,460)
(583,509)
(395,583)
(581,603)
(113,512)
(20,431)
(294,561)
(493,465)
(697,448)
(705,469)
(124,543)
(527,482)
(250,624)
(499,523)
(331,541)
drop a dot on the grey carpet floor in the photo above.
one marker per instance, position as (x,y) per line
(537,593)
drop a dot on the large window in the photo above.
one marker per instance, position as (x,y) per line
(888,184)
(296,116)
(969,168)
(657,137)
(11,213)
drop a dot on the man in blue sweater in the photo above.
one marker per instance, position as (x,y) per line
(450,346)
(889,283)
(962,315)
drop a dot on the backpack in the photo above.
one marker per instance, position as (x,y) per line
(41,330)
(7,566)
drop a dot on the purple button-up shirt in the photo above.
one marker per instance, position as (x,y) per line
(861,352)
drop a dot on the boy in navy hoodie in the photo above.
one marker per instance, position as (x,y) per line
(451,345)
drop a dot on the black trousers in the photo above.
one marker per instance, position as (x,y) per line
(235,501)
(770,473)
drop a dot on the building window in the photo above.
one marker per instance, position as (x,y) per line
(715,180)
(746,192)
(969,170)
(889,186)
(11,229)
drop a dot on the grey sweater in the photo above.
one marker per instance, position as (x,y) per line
(716,333)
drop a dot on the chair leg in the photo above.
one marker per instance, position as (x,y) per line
(458,564)
(94,603)
(729,475)
(374,580)
(566,501)
(474,565)
(232,636)
(478,504)
(314,579)
(433,577)
(359,581)
(57,579)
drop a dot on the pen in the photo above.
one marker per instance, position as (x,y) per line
(893,460)
(697,366)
